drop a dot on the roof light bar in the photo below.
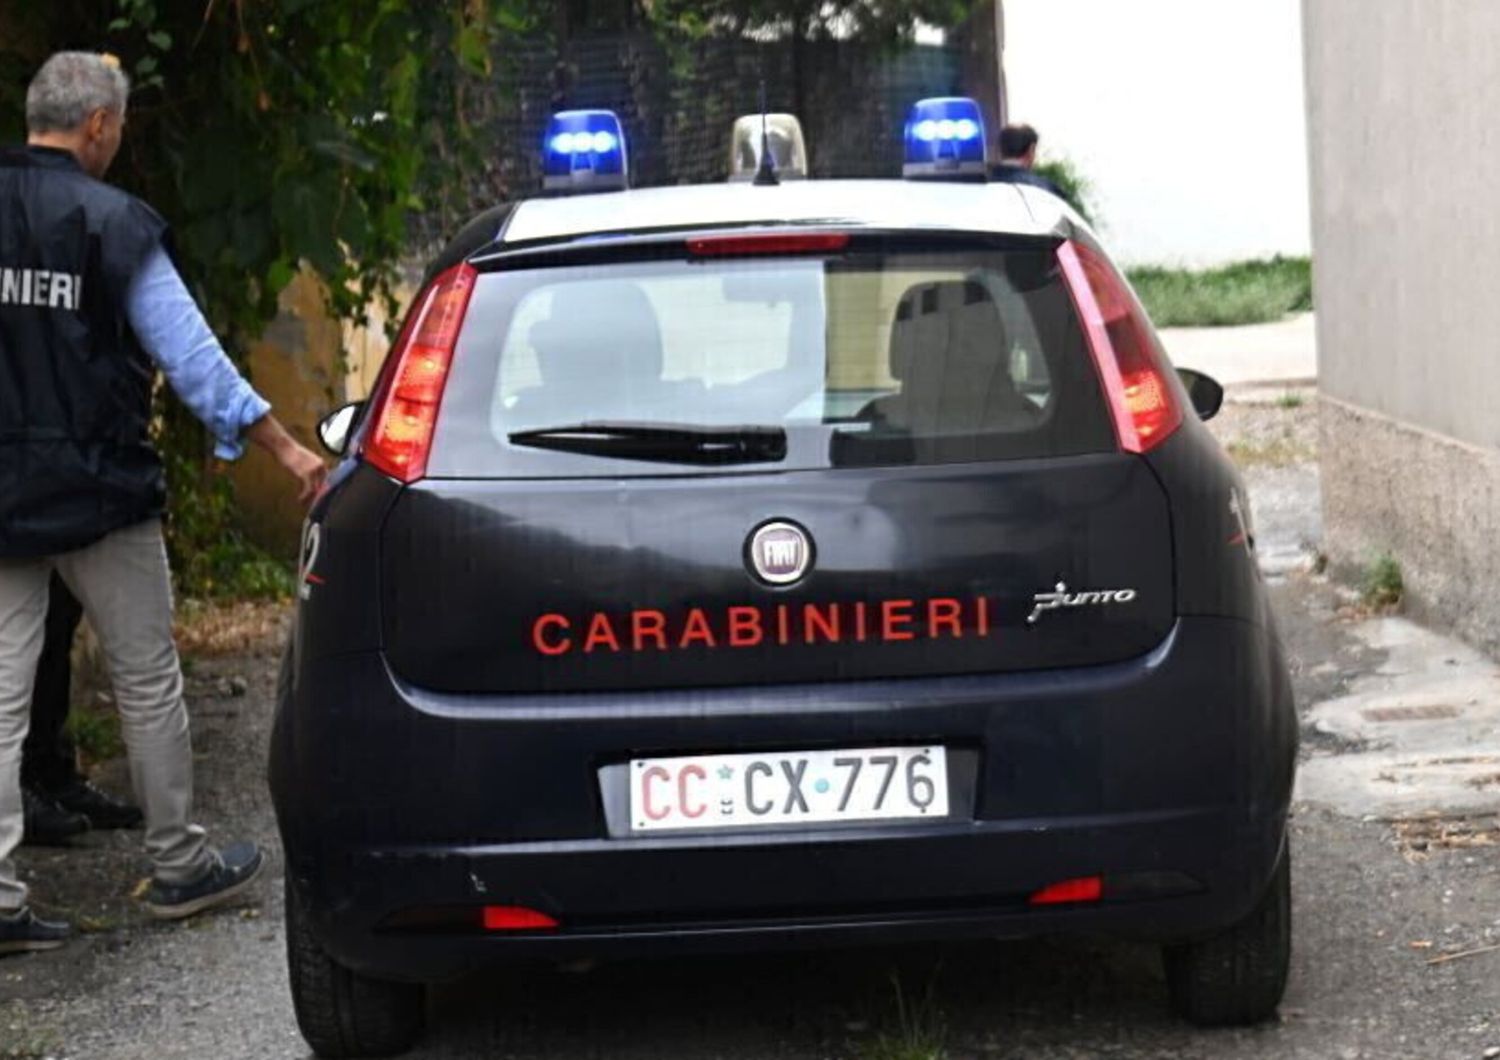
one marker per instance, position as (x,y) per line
(583,151)
(945,140)
(788,148)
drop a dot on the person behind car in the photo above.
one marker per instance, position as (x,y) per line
(59,802)
(1018,160)
(90,306)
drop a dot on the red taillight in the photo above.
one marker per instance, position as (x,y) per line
(407,407)
(516,918)
(769,243)
(1082,889)
(1138,381)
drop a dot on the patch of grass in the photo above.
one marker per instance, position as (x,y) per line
(95,731)
(1291,400)
(1273,452)
(918,1033)
(235,570)
(21,1039)
(216,627)
(1383,585)
(31,1047)
(1247,292)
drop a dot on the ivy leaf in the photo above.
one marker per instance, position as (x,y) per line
(305,209)
(206,238)
(513,19)
(160,39)
(278,275)
(249,239)
(473,50)
(348,153)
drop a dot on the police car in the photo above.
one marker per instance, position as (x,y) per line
(777,563)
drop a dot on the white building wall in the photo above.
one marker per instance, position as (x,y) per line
(1404,97)
(1187,115)
(1405,149)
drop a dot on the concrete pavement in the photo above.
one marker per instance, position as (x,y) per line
(1372,914)
(1282,352)
(1427,728)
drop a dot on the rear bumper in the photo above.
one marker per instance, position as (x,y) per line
(1168,775)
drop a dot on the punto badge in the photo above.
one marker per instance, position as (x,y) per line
(1060,597)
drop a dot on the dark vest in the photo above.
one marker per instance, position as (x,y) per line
(76,460)
(1010,173)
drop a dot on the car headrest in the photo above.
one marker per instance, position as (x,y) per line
(605,328)
(927,315)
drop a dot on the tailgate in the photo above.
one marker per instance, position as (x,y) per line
(528,586)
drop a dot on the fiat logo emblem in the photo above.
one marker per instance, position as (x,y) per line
(780,552)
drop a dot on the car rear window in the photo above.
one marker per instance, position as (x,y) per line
(864,358)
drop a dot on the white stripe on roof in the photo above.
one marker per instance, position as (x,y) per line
(896,204)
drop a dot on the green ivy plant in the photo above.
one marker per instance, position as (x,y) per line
(274,133)
(1076,188)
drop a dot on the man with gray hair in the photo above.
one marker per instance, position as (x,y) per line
(90,307)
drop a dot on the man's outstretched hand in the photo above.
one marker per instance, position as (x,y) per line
(306,467)
(300,462)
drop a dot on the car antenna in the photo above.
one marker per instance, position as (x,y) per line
(765,176)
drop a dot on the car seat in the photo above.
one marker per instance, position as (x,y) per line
(599,357)
(949,351)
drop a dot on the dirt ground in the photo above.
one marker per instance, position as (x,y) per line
(1392,917)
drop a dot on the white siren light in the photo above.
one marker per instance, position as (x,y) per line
(788,149)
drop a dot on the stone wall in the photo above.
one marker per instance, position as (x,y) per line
(1428,499)
(1403,151)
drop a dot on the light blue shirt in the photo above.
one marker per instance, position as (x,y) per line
(170,328)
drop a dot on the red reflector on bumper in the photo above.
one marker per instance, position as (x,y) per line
(1083,889)
(515,918)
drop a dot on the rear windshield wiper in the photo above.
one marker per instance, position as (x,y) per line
(666,442)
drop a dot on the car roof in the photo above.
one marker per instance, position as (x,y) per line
(1004,209)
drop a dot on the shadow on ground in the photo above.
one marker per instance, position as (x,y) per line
(972,999)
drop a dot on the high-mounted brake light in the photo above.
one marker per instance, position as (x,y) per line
(1145,396)
(769,243)
(516,918)
(584,150)
(406,410)
(945,140)
(1064,892)
(782,133)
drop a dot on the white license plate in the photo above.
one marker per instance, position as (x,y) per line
(794,787)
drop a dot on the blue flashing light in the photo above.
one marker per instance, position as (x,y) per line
(584,151)
(945,139)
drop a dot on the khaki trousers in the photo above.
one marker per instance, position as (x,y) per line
(125,588)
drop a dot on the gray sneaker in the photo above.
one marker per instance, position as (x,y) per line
(22,932)
(233,870)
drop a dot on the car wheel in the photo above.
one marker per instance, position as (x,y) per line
(1237,977)
(340,1012)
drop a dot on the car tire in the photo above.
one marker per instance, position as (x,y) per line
(1237,977)
(340,1012)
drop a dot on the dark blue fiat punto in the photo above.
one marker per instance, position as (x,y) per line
(776,564)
